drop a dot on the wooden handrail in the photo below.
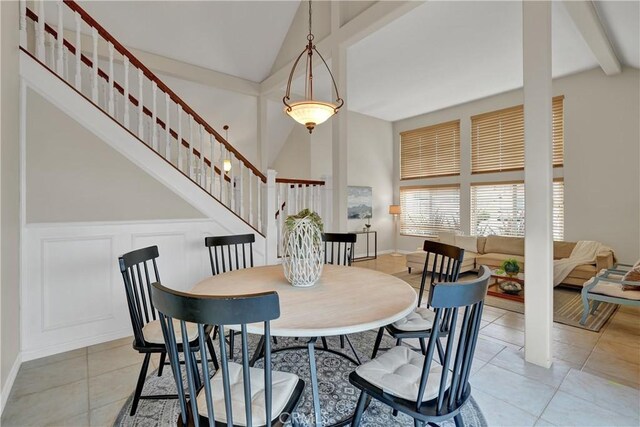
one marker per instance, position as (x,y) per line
(161,85)
(32,15)
(299,181)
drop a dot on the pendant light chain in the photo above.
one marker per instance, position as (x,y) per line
(310,36)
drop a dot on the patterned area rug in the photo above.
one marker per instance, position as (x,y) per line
(567,304)
(337,397)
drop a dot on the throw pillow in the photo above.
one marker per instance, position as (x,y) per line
(468,243)
(632,275)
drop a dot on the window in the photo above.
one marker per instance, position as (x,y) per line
(497,138)
(498,208)
(430,151)
(429,210)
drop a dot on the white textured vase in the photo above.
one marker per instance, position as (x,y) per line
(303,253)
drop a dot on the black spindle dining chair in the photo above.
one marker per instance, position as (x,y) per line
(228,253)
(442,264)
(439,390)
(338,248)
(139,270)
(237,394)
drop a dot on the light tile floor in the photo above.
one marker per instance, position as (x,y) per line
(594,379)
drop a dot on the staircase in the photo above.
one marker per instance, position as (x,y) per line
(73,62)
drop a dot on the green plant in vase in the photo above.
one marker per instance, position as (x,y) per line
(510,267)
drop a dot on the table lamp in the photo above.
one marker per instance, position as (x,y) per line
(395,211)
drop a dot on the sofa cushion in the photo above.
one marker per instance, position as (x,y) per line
(562,249)
(583,271)
(447,237)
(504,245)
(418,257)
(495,259)
(481,242)
(633,275)
(468,243)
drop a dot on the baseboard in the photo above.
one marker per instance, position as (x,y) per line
(6,389)
(73,345)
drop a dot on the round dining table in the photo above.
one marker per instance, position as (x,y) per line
(345,300)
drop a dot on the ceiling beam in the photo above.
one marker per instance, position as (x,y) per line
(369,21)
(585,17)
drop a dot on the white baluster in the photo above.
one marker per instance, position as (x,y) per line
(52,52)
(167,128)
(222,174)
(112,80)
(180,155)
(23,23)
(126,93)
(259,196)
(250,197)
(140,106)
(212,160)
(154,115)
(78,81)
(60,40)
(203,165)
(65,60)
(40,34)
(190,170)
(241,189)
(232,175)
(94,83)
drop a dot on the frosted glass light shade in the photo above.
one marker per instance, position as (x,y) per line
(226,165)
(394,209)
(310,113)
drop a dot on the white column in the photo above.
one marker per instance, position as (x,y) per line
(270,214)
(326,201)
(538,178)
(339,145)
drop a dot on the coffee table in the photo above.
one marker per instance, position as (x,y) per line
(498,278)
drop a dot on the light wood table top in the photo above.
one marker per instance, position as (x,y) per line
(345,300)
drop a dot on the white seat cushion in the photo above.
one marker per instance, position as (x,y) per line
(152,332)
(615,290)
(398,372)
(421,319)
(283,385)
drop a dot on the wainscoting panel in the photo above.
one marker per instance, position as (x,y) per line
(72,292)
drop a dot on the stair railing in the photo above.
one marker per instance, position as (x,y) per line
(129,92)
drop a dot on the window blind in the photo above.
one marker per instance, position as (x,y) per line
(430,151)
(497,138)
(498,208)
(428,210)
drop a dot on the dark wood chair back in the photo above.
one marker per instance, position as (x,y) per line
(338,248)
(139,270)
(442,264)
(220,311)
(465,301)
(228,253)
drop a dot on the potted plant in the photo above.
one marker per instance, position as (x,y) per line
(510,266)
(303,251)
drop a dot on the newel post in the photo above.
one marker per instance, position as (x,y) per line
(271,231)
(326,202)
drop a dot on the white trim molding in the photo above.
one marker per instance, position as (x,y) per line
(8,385)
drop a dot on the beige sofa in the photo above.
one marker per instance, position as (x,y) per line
(493,250)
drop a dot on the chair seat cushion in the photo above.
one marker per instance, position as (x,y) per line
(398,372)
(615,290)
(283,386)
(419,320)
(152,332)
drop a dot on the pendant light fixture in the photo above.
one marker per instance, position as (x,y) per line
(226,163)
(310,112)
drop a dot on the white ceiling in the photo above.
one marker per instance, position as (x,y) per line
(447,53)
(620,19)
(241,38)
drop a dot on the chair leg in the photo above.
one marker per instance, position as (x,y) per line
(423,346)
(140,385)
(417,423)
(341,341)
(398,342)
(595,306)
(458,420)
(357,416)
(163,357)
(440,351)
(232,335)
(215,332)
(324,343)
(275,340)
(376,346)
(212,351)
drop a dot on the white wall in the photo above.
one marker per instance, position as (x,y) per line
(9,198)
(294,159)
(72,175)
(602,148)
